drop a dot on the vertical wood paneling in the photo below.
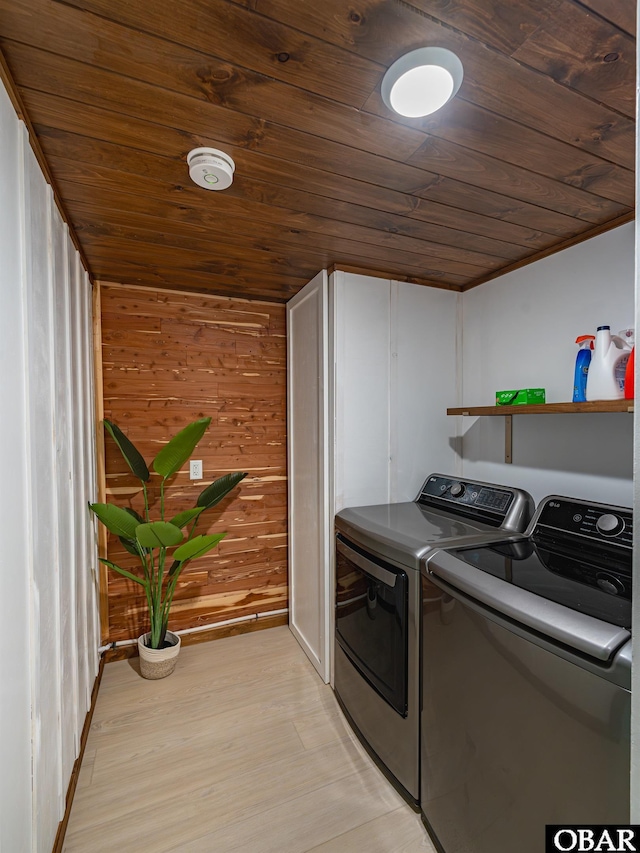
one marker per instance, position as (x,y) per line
(15,675)
(64,435)
(169,358)
(48,549)
(87,417)
(48,794)
(80,508)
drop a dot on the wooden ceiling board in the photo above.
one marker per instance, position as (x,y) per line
(487,133)
(537,150)
(578,51)
(368,25)
(243,40)
(90,188)
(142,135)
(492,80)
(151,175)
(94,179)
(150,229)
(490,173)
(621,14)
(96,123)
(302,178)
(433,270)
(223,246)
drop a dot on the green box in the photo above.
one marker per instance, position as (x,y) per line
(521,397)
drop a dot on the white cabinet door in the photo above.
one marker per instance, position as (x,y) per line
(308,461)
(371,370)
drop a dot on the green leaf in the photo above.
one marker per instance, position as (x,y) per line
(115,519)
(219,489)
(197,546)
(174,454)
(133,513)
(175,566)
(185,517)
(131,454)
(123,572)
(130,545)
(158,534)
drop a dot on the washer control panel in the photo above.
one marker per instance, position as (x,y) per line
(496,505)
(599,522)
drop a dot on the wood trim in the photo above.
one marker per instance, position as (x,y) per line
(558,247)
(213,633)
(545,409)
(410,279)
(12,91)
(14,96)
(75,773)
(100,458)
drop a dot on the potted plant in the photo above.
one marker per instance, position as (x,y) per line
(161,546)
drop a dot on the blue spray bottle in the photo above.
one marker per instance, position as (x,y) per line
(583,360)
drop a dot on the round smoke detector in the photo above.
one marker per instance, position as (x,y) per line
(210,168)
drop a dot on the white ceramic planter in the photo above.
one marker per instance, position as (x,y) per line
(158,663)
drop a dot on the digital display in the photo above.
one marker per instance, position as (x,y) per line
(493,499)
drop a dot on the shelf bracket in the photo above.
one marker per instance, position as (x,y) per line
(508,439)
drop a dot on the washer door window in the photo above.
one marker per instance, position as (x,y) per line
(371,620)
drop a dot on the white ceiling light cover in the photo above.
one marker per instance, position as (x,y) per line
(210,168)
(422,81)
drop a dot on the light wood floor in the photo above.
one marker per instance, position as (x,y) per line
(242,748)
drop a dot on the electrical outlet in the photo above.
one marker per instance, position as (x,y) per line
(195,469)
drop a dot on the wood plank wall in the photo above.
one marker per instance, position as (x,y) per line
(169,358)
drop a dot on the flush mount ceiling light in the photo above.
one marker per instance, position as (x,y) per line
(422,81)
(210,168)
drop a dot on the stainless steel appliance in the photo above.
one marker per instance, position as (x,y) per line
(526,681)
(378,555)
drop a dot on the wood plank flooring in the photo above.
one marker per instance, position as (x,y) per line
(242,749)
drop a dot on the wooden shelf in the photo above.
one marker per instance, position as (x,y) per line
(545,409)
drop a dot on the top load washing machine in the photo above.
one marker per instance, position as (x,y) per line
(379,550)
(527,681)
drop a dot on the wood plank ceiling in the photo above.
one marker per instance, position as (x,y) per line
(536,151)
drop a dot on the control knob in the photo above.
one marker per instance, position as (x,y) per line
(457,490)
(610,583)
(609,524)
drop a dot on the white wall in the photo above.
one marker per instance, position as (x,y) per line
(424,378)
(360,307)
(48,564)
(395,368)
(15,685)
(518,331)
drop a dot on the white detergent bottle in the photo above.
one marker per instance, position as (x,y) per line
(605,380)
